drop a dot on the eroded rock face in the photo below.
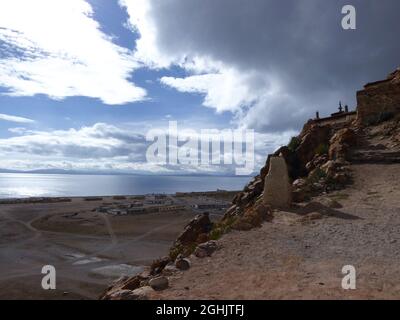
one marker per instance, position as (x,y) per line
(199,225)
(341,144)
(314,137)
(158,265)
(277,187)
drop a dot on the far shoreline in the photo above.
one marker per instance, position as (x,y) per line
(119,197)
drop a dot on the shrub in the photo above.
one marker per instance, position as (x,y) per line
(322,149)
(216,233)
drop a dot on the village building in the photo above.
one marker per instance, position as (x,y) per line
(337,119)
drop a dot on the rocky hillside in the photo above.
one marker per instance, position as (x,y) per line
(320,162)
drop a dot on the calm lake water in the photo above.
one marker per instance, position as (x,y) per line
(21,185)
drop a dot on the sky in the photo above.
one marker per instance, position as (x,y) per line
(82,82)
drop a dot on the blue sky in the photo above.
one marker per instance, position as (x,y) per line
(81,82)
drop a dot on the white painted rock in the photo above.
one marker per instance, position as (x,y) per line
(277,187)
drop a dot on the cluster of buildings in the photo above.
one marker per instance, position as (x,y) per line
(163,203)
(122,210)
(209,206)
(141,205)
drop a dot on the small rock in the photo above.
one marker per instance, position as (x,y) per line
(141,293)
(182,263)
(159,283)
(330,203)
(299,183)
(137,294)
(206,249)
(170,268)
(200,253)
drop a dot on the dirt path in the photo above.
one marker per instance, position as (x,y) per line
(300,257)
(31,237)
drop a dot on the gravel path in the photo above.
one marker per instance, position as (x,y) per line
(300,256)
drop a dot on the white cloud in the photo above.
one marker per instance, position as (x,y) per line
(56,48)
(16,119)
(108,147)
(227,91)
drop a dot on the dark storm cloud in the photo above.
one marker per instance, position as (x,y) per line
(299,42)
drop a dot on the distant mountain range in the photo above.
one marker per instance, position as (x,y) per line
(51,171)
(82,172)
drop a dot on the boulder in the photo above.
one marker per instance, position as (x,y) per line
(159,283)
(141,293)
(277,188)
(341,144)
(137,294)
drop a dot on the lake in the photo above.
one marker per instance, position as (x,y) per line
(22,185)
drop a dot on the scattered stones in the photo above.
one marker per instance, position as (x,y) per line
(159,283)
